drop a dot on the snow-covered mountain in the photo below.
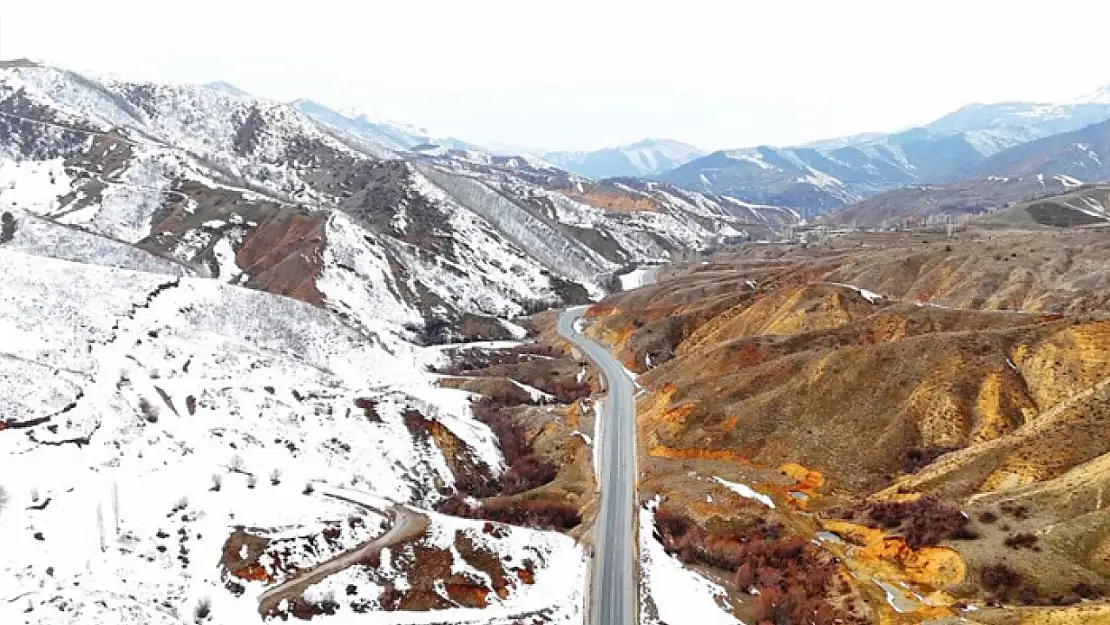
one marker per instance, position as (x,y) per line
(211,301)
(643,158)
(1082,154)
(165,168)
(375,128)
(991,128)
(826,175)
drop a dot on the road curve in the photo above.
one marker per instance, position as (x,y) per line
(612,596)
(407,525)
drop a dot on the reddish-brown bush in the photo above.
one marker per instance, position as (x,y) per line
(538,513)
(1021,541)
(916,458)
(1000,578)
(528,472)
(511,438)
(793,578)
(923,521)
(566,390)
(369,409)
(987,517)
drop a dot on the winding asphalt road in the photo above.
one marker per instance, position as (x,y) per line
(613,600)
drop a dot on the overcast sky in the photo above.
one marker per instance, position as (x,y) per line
(582,74)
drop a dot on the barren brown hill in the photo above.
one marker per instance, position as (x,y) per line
(938,407)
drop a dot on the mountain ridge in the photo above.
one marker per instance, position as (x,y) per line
(645,157)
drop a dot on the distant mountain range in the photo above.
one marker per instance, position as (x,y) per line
(970,147)
(643,158)
(1025,172)
(975,140)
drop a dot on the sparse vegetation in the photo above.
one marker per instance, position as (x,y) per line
(923,521)
(566,390)
(1000,579)
(793,580)
(916,458)
(987,517)
(217,482)
(308,489)
(252,481)
(1022,541)
(538,513)
(526,469)
(1015,511)
(275,477)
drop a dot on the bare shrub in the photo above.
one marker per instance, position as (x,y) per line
(149,410)
(252,481)
(275,477)
(1021,541)
(916,458)
(203,610)
(236,464)
(1000,578)
(217,482)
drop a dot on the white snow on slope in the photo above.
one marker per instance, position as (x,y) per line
(32,185)
(870,296)
(173,381)
(635,278)
(560,580)
(679,595)
(745,491)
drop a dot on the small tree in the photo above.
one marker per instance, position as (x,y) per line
(115,505)
(217,482)
(236,464)
(275,477)
(100,527)
(308,488)
(203,610)
(252,481)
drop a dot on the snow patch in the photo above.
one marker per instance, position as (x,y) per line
(745,491)
(679,595)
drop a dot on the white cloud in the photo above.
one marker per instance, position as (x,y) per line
(582,74)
